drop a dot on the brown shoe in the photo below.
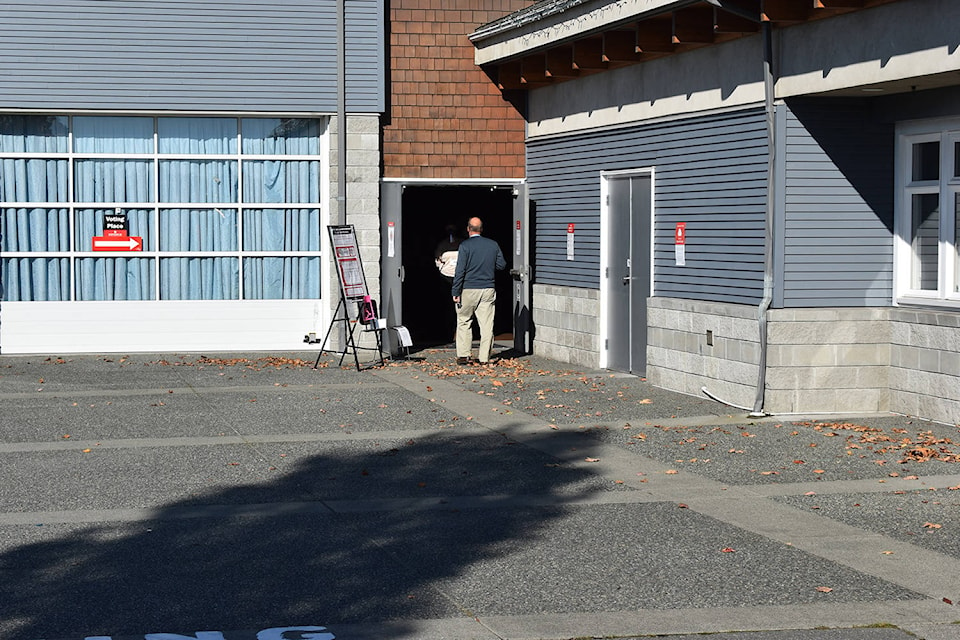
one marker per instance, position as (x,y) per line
(465,361)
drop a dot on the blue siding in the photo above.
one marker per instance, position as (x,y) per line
(710,173)
(836,246)
(236,55)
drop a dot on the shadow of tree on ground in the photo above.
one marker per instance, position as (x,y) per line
(249,558)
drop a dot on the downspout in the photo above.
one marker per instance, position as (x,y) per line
(341,115)
(342,140)
(766,30)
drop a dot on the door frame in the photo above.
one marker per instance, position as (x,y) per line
(391,235)
(605,222)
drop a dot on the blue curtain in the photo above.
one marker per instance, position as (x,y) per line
(107,180)
(212,226)
(212,182)
(35,279)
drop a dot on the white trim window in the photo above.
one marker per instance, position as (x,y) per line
(928,213)
(223,208)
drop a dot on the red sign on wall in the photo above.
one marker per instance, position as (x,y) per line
(680,235)
(117,240)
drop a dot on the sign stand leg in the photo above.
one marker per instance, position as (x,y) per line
(348,343)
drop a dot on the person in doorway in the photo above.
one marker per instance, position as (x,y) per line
(474,292)
(445,255)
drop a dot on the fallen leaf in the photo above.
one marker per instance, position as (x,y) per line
(671,472)
(824,589)
(592,459)
(931,525)
(728,550)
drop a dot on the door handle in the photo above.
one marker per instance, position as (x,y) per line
(627,279)
(401,273)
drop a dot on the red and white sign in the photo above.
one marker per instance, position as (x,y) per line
(117,240)
(570,232)
(680,244)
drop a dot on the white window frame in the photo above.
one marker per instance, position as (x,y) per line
(73,205)
(947,132)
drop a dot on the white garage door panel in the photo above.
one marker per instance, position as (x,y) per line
(114,327)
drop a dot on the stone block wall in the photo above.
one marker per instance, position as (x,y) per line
(828,360)
(362,201)
(695,345)
(925,364)
(832,359)
(567,324)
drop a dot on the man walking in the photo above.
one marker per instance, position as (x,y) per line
(474,292)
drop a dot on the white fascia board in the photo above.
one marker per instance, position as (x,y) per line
(572,23)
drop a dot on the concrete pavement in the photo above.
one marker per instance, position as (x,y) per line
(224,495)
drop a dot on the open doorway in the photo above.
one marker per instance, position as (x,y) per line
(427,211)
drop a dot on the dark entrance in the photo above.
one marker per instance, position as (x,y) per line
(426,211)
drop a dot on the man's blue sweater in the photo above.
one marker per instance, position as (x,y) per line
(477,259)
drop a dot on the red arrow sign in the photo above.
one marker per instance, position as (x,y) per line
(117,243)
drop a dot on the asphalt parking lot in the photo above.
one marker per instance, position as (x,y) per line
(209,496)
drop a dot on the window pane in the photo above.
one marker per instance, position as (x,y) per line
(956,159)
(90,223)
(290,181)
(33,180)
(26,134)
(281,230)
(111,134)
(926,161)
(199,279)
(281,278)
(115,279)
(198,181)
(282,136)
(35,279)
(198,230)
(114,181)
(35,229)
(197,135)
(925,235)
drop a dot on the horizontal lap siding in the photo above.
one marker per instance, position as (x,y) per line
(838,206)
(710,173)
(199,55)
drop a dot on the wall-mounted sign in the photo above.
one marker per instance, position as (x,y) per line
(570,233)
(680,244)
(115,236)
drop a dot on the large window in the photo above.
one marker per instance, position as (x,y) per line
(225,208)
(928,262)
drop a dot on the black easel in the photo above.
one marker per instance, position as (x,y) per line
(349,342)
(353,288)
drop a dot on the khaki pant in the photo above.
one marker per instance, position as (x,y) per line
(482,304)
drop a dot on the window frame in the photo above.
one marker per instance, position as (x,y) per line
(73,205)
(946,132)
